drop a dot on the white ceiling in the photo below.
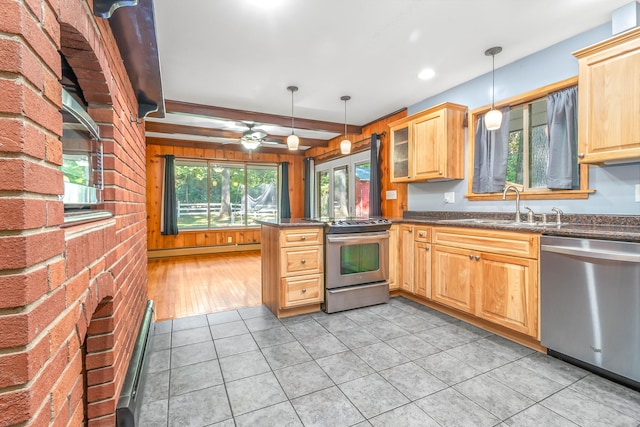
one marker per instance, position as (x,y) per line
(242,54)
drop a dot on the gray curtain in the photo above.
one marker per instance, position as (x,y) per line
(169,219)
(285,207)
(308,170)
(374,174)
(490,159)
(562,121)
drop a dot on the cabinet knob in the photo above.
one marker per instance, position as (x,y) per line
(426,248)
(581,155)
(304,290)
(304,261)
(477,257)
(440,172)
(421,233)
(470,256)
(303,238)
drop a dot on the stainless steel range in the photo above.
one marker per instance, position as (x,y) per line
(356,263)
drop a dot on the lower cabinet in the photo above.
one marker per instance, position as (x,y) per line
(414,259)
(490,274)
(394,283)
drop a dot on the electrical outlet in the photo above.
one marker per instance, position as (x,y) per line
(229,239)
(637,192)
(450,197)
(392,194)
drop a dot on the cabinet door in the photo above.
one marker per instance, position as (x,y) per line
(453,273)
(399,155)
(609,100)
(406,257)
(301,290)
(428,146)
(422,272)
(393,258)
(508,292)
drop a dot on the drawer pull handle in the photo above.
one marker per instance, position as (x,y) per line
(470,256)
(303,238)
(421,234)
(477,257)
(304,290)
(304,261)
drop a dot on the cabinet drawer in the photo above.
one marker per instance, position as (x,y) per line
(422,234)
(301,236)
(301,260)
(302,290)
(484,240)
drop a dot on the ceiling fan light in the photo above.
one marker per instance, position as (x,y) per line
(345,146)
(293,141)
(493,119)
(250,144)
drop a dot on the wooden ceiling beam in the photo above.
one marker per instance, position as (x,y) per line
(173,129)
(272,119)
(218,146)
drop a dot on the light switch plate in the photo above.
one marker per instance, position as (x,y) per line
(392,194)
(450,197)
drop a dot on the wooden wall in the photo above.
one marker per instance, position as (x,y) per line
(201,238)
(390,208)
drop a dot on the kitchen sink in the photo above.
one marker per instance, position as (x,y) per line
(490,221)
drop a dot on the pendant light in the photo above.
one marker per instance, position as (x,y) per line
(493,118)
(345,145)
(292,140)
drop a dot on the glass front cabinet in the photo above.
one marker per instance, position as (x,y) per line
(428,145)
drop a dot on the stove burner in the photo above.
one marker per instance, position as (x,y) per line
(356,225)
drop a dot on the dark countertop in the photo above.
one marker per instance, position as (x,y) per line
(290,223)
(611,227)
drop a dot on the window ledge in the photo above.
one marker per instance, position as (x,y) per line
(76,218)
(534,195)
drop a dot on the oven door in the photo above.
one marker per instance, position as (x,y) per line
(357,258)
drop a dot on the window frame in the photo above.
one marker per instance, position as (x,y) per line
(527,193)
(211,163)
(350,163)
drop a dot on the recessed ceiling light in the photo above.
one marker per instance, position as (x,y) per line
(426,74)
(266,4)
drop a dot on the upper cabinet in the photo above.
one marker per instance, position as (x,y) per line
(609,100)
(428,145)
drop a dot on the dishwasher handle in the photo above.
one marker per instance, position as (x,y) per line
(592,253)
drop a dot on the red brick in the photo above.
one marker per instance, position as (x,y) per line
(99,360)
(106,421)
(21,289)
(102,391)
(25,250)
(16,58)
(56,273)
(100,342)
(41,418)
(20,329)
(22,214)
(64,327)
(105,309)
(23,175)
(99,409)
(66,380)
(53,150)
(14,406)
(76,287)
(19,368)
(101,326)
(43,383)
(35,6)
(99,376)
(55,213)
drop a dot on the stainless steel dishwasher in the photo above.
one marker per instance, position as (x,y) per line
(590,304)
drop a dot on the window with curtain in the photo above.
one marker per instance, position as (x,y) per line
(213,195)
(541,144)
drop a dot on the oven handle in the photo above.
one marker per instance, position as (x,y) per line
(351,237)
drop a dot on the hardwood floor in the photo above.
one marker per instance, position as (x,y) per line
(186,286)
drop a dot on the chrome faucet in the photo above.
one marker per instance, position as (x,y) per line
(504,197)
(558,215)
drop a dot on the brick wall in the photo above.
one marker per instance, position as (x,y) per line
(68,291)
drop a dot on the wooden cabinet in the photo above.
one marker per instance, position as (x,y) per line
(490,274)
(394,283)
(415,259)
(292,269)
(428,145)
(609,100)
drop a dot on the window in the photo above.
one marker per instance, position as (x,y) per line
(217,195)
(342,187)
(81,156)
(528,148)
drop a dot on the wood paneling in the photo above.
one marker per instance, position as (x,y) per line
(188,239)
(390,208)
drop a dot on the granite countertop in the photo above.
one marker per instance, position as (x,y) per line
(290,222)
(612,227)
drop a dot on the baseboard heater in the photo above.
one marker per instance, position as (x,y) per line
(130,399)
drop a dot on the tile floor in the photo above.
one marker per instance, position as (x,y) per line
(398,364)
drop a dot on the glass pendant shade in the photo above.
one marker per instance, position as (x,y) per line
(293,141)
(493,119)
(250,144)
(345,146)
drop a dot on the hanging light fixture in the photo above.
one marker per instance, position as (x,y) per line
(345,144)
(292,140)
(493,118)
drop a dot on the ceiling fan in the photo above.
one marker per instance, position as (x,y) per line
(253,137)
